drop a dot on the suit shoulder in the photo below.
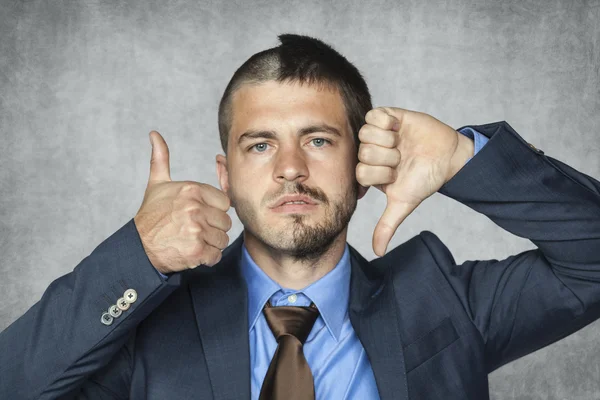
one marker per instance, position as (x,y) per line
(418,251)
(440,252)
(403,253)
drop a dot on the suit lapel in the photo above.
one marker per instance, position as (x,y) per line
(220,300)
(219,297)
(373,314)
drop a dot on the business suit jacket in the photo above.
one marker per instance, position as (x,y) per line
(432,329)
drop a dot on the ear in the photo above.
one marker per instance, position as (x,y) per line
(222,173)
(362,190)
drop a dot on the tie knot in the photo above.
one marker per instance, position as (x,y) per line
(291,320)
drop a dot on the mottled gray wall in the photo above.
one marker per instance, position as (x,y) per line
(83,82)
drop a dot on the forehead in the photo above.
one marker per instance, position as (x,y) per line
(274,105)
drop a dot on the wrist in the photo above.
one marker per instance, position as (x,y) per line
(463,152)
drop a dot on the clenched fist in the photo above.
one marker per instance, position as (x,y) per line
(181,224)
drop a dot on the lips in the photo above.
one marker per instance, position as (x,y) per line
(294,199)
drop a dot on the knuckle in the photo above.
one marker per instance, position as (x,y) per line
(212,258)
(192,207)
(363,132)
(224,241)
(199,237)
(389,121)
(191,187)
(379,117)
(374,114)
(194,228)
(361,173)
(186,187)
(397,157)
(364,152)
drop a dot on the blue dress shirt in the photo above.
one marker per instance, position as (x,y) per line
(337,359)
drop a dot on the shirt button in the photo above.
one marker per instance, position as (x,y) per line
(292,298)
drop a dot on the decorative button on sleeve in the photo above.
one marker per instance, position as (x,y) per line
(114,311)
(106,319)
(122,304)
(536,149)
(130,296)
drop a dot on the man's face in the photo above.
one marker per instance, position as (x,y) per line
(262,167)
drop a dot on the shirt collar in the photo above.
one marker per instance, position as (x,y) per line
(330,293)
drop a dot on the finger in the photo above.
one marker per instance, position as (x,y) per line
(381,137)
(216,237)
(218,219)
(393,216)
(216,198)
(382,118)
(376,155)
(210,256)
(371,175)
(207,194)
(159,161)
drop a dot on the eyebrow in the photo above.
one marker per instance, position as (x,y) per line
(256,134)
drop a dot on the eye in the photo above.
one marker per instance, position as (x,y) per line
(320,141)
(260,147)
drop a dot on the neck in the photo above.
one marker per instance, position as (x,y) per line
(289,272)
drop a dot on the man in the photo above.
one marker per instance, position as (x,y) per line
(289,309)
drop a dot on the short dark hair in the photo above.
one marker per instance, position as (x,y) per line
(302,59)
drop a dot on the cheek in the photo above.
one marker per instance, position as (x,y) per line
(347,170)
(245,188)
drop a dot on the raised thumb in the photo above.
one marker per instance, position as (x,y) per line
(159,161)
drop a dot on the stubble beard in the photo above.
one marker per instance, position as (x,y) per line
(297,239)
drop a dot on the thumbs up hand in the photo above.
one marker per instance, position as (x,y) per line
(408,155)
(181,224)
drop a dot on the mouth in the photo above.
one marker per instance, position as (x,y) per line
(294,208)
(294,203)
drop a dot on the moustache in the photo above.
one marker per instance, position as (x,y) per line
(300,189)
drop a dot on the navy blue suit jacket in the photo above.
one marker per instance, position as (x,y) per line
(432,329)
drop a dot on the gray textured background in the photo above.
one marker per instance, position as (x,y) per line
(83,82)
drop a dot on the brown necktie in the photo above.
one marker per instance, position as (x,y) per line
(289,376)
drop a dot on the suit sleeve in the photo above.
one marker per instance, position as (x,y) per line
(532,299)
(52,349)
(479,140)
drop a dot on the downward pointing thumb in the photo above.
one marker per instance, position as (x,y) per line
(159,161)
(392,217)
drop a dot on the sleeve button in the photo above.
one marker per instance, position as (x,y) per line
(536,149)
(123,305)
(130,296)
(106,318)
(114,311)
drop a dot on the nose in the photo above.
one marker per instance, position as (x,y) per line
(290,165)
